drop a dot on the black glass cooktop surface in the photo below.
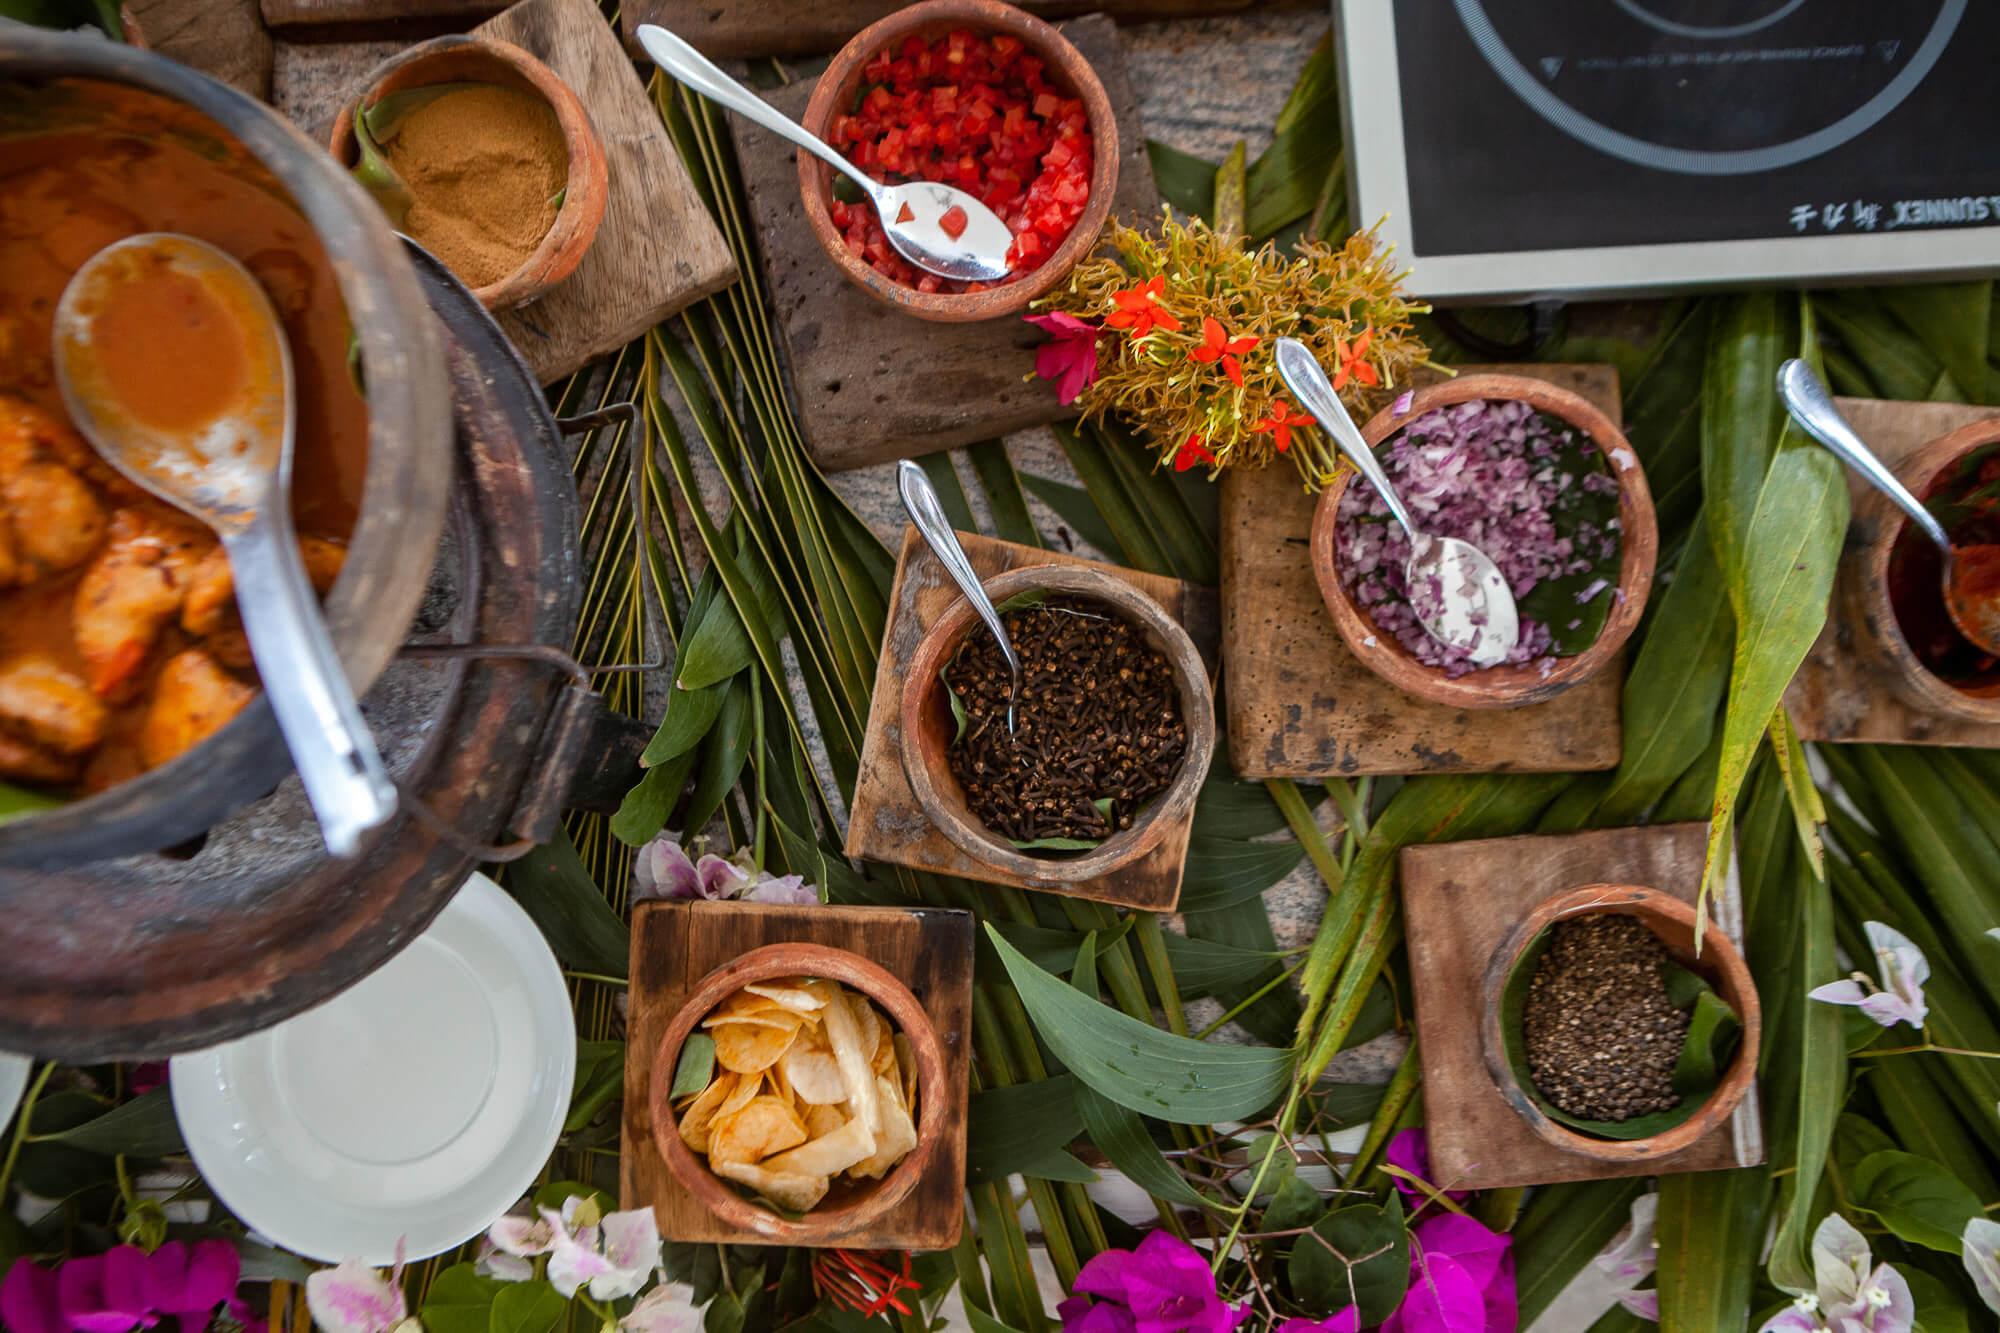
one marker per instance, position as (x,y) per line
(1553,124)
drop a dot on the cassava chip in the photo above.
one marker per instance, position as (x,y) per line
(745,1008)
(906,1060)
(814,1075)
(750,1048)
(867,1022)
(793,1193)
(762,1126)
(823,1120)
(785,992)
(853,1057)
(828,1155)
(899,1135)
(693,1122)
(747,1086)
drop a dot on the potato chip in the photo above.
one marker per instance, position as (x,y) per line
(694,1121)
(756,1009)
(823,1120)
(906,1060)
(747,1086)
(867,1021)
(899,1135)
(853,1058)
(794,998)
(814,1075)
(828,1155)
(762,1126)
(750,1049)
(793,1193)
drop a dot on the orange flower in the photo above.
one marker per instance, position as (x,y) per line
(1137,309)
(1191,453)
(1216,346)
(1351,362)
(1279,424)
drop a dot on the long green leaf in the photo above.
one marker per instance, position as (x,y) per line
(1012,1126)
(142,1127)
(555,889)
(1560,1231)
(1709,1227)
(1008,506)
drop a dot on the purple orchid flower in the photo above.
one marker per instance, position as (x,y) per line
(1900,998)
(126,1288)
(663,869)
(1070,356)
(1410,1151)
(1163,1286)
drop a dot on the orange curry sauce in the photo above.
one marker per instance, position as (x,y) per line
(63,197)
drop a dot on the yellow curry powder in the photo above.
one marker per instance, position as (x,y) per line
(484,166)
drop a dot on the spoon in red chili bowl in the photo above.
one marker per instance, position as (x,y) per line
(939,228)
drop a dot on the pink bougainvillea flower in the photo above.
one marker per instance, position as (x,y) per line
(354,1298)
(1070,356)
(615,1254)
(143,1078)
(126,1288)
(1853,1294)
(667,1308)
(1409,1150)
(30,1300)
(1192,452)
(1163,1286)
(1900,999)
(1980,1247)
(1631,1258)
(1218,346)
(1347,1321)
(1461,1280)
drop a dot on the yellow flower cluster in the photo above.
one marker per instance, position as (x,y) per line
(1171,302)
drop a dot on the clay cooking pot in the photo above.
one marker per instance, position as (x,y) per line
(464,59)
(1720,964)
(847,1208)
(1500,686)
(1066,69)
(927,727)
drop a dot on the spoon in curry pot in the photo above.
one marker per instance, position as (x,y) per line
(173,364)
(913,214)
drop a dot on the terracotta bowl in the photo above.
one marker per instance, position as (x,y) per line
(848,1207)
(456,59)
(927,728)
(1501,686)
(1863,585)
(1066,68)
(1720,964)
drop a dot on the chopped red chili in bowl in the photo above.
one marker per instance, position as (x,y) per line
(976,112)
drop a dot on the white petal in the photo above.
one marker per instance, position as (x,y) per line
(1840,1262)
(632,1249)
(668,1308)
(1838,992)
(1632,1253)
(353,1298)
(1982,1259)
(521,1235)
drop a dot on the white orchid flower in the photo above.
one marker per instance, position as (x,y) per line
(1900,998)
(354,1298)
(1982,1259)
(615,1253)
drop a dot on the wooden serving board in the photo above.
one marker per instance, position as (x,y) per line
(760,28)
(886,823)
(1837,695)
(1460,901)
(872,383)
(1300,705)
(676,944)
(657,251)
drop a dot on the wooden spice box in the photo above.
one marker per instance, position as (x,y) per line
(676,944)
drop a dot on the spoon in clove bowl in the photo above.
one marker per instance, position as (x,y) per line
(1471,608)
(920,500)
(912,213)
(173,364)
(1971,574)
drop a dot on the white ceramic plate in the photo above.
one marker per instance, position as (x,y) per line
(421,1102)
(13,1082)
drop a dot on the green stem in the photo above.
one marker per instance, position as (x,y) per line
(598,977)
(21,1126)
(1299,815)
(1927,1046)
(1242,1212)
(1253,997)
(1153,946)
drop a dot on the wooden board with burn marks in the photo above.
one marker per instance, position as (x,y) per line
(1298,704)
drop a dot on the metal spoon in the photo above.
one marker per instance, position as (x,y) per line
(1806,397)
(1474,611)
(920,499)
(227,460)
(977,254)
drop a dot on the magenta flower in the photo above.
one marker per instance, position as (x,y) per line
(1070,356)
(1164,1286)
(126,1288)
(1461,1280)
(1410,1151)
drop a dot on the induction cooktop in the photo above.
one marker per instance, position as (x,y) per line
(1524,148)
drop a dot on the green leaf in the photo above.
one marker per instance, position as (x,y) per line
(15,802)
(1011,520)
(642,816)
(551,884)
(951,492)
(1075,507)
(1055,844)
(1231,187)
(559,1192)
(376,176)
(1138,1066)
(1915,1198)
(1357,1256)
(725,753)
(1008,1128)
(1222,872)
(526,1307)
(1203,967)
(1560,1231)
(689,715)
(696,1067)
(142,1127)
(1293,1204)
(1285,180)
(460,1301)
(1709,1227)
(600,1077)
(1953,320)
(1185,181)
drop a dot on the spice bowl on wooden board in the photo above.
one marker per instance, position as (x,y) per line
(985,145)
(1608,1034)
(505,174)
(1890,585)
(1096,792)
(1620,595)
(848,1206)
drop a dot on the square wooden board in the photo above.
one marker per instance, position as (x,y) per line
(1460,899)
(1837,695)
(887,824)
(872,383)
(1299,705)
(676,944)
(657,250)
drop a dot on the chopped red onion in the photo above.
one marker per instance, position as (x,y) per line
(1483,471)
